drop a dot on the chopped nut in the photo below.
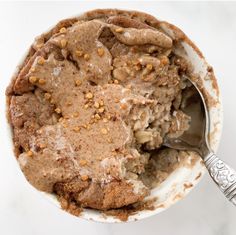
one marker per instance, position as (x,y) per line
(58,110)
(101,102)
(84,126)
(101,110)
(86,56)
(84,177)
(100,51)
(63,43)
(62,30)
(104,131)
(52,101)
(41,61)
(109,140)
(108,116)
(149,66)
(105,120)
(76,114)
(29,153)
(164,60)
(86,106)
(32,69)
(33,79)
(42,81)
(119,30)
(78,82)
(39,45)
(83,162)
(97,116)
(116,81)
(76,129)
(89,95)
(79,53)
(123,106)
(116,100)
(65,125)
(61,119)
(96,105)
(47,96)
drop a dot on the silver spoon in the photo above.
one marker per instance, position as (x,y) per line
(196,139)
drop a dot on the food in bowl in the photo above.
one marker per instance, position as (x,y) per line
(91,105)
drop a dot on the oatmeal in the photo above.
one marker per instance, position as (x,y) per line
(91,106)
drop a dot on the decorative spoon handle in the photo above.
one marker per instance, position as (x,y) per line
(223,175)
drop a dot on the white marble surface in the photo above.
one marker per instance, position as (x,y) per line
(204,211)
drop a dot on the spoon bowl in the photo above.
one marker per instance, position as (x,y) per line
(196,139)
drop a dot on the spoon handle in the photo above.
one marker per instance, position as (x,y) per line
(223,175)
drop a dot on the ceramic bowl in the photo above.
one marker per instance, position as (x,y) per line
(182,180)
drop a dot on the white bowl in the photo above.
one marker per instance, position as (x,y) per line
(182,180)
